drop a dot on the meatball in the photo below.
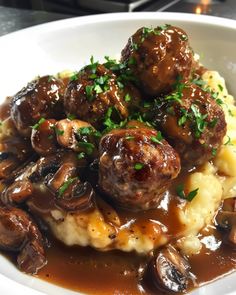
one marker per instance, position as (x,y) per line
(193,122)
(157,57)
(94,91)
(136,167)
(41,98)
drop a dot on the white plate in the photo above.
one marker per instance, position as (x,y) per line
(68,44)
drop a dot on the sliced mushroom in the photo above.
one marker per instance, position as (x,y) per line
(7,166)
(226,220)
(20,234)
(19,191)
(78,196)
(77,135)
(169,271)
(43,137)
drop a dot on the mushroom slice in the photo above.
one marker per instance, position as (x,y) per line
(76,196)
(226,220)
(77,135)
(169,270)
(19,233)
(7,166)
(19,191)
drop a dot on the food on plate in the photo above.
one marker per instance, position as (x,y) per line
(123,173)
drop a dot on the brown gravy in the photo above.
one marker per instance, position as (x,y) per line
(92,272)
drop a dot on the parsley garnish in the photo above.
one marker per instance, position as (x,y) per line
(199,118)
(127,97)
(129,137)
(213,152)
(74,77)
(228,142)
(190,196)
(71,117)
(213,123)
(81,156)
(138,166)
(220,87)
(59,132)
(184,37)
(36,126)
(89,147)
(65,186)
(158,138)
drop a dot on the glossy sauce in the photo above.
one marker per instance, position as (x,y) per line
(114,272)
(87,270)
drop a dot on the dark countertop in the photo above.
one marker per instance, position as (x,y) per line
(13,19)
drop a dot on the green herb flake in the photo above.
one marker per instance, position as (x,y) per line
(220,87)
(228,142)
(127,97)
(214,152)
(98,89)
(74,77)
(85,130)
(230,113)
(50,136)
(81,156)
(129,137)
(89,92)
(71,117)
(213,123)
(50,78)
(134,46)
(59,132)
(158,138)
(138,166)
(65,186)
(36,126)
(184,37)
(180,192)
(89,147)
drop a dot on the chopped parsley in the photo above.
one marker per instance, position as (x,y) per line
(214,152)
(157,31)
(183,118)
(59,132)
(129,137)
(213,123)
(158,138)
(81,155)
(127,97)
(228,142)
(50,78)
(36,126)
(189,197)
(199,119)
(74,76)
(71,117)
(89,147)
(89,92)
(184,37)
(220,87)
(65,186)
(138,166)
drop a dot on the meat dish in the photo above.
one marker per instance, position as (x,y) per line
(132,161)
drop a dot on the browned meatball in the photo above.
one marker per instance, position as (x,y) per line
(157,57)
(136,167)
(94,91)
(41,98)
(193,122)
